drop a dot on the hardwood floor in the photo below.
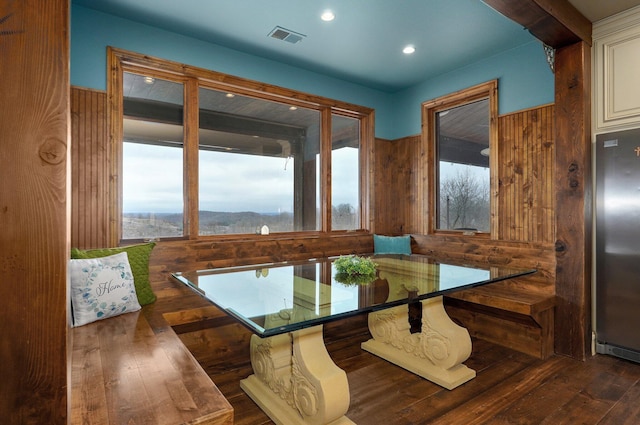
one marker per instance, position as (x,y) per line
(510,388)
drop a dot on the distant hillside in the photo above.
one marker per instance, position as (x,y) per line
(159,225)
(154,225)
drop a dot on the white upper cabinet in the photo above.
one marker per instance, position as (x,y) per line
(616,73)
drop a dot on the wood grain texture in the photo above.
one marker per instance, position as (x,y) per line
(540,256)
(525,173)
(90,169)
(507,324)
(182,256)
(573,200)
(34,242)
(516,313)
(396,204)
(510,388)
(135,369)
(555,22)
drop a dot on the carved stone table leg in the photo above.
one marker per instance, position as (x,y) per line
(295,381)
(436,353)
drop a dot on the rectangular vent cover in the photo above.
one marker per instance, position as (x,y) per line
(286,35)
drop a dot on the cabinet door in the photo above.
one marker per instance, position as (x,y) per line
(617,75)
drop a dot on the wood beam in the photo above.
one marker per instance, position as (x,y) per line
(561,26)
(573,200)
(34,211)
(556,23)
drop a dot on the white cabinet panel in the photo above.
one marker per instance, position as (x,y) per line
(617,71)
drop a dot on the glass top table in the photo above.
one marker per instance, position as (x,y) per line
(276,298)
(285,305)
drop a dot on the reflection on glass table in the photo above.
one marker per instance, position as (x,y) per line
(285,304)
(282,297)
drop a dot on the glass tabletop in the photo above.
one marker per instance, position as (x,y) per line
(275,298)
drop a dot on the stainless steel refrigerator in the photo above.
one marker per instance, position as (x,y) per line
(617,287)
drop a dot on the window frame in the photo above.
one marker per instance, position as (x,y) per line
(120,61)
(487,90)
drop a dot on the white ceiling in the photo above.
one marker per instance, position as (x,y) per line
(595,10)
(362,45)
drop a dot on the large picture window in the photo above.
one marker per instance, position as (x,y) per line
(460,132)
(205,154)
(252,157)
(152,158)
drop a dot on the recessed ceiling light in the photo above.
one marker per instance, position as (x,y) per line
(408,49)
(230,95)
(293,108)
(327,16)
(149,80)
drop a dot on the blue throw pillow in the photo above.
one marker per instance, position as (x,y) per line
(392,244)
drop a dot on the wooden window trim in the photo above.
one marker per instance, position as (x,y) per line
(488,90)
(120,61)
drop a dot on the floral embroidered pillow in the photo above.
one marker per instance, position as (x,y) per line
(101,287)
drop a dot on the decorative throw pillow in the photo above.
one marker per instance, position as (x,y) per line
(139,261)
(101,288)
(392,244)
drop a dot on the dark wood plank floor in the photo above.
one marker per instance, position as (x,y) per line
(510,388)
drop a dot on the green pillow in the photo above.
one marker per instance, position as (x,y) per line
(138,260)
(392,244)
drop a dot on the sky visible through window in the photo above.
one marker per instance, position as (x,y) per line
(153,177)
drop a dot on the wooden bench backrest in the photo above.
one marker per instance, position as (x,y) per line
(482,251)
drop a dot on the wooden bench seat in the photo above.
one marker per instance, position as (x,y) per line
(513,317)
(134,369)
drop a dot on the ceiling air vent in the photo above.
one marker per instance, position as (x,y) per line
(286,35)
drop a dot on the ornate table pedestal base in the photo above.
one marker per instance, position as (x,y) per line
(295,381)
(436,353)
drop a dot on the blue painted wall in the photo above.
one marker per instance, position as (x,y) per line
(524,81)
(524,78)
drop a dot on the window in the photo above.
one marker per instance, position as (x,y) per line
(207,154)
(253,154)
(460,133)
(345,171)
(152,158)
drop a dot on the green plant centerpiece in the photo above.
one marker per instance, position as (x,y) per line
(354,270)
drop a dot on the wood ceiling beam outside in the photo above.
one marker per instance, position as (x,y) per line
(556,23)
(211,120)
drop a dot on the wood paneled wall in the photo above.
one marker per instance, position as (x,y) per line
(180,256)
(526,176)
(526,198)
(90,207)
(526,204)
(526,191)
(461,249)
(90,169)
(34,241)
(397,209)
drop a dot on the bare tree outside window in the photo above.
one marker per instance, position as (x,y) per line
(464,200)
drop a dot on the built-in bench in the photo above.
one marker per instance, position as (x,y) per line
(134,369)
(511,317)
(515,313)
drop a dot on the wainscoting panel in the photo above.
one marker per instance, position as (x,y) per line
(89,169)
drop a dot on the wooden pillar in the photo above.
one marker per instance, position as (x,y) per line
(573,200)
(34,212)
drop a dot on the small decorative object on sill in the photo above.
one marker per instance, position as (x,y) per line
(354,270)
(264,230)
